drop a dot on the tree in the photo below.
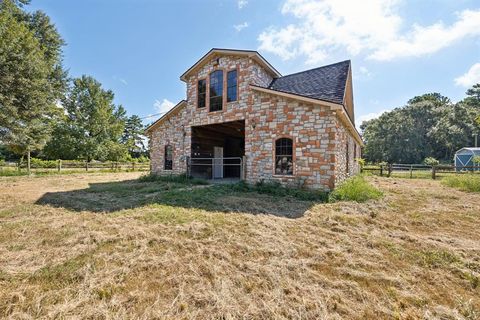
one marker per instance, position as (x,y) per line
(27,91)
(93,124)
(427,126)
(133,137)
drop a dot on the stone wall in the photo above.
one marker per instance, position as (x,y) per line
(312,129)
(344,139)
(319,138)
(171,132)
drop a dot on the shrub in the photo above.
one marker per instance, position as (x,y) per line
(176,178)
(274,188)
(39,163)
(361,162)
(465,182)
(430,161)
(355,189)
(476,160)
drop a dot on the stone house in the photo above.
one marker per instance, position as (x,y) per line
(243,119)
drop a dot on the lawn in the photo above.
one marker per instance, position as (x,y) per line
(107,245)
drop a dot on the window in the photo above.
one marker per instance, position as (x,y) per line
(284,156)
(202,93)
(216,90)
(168,165)
(232,86)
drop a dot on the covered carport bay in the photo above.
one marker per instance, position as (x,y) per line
(218,150)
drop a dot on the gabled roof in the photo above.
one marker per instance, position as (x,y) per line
(218,51)
(474,150)
(326,83)
(167,115)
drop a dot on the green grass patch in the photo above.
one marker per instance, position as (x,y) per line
(464,182)
(355,189)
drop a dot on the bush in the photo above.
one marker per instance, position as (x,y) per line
(476,160)
(176,178)
(465,182)
(39,163)
(430,161)
(355,189)
(274,188)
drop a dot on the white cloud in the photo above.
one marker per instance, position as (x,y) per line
(241,26)
(363,73)
(163,106)
(242,3)
(369,116)
(121,80)
(373,27)
(471,77)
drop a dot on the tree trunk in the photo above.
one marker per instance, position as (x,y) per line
(28,162)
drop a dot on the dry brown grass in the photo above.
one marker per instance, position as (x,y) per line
(414,254)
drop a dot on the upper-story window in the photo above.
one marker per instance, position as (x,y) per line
(202,93)
(216,90)
(232,86)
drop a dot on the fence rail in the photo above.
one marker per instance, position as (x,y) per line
(415,170)
(65,165)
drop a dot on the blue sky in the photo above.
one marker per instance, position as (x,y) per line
(399,49)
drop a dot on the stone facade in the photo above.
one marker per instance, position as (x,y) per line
(319,137)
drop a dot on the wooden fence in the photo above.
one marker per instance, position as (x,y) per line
(419,170)
(65,165)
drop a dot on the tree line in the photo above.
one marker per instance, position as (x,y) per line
(428,126)
(44,112)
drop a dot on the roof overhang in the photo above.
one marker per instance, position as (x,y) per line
(339,109)
(166,116)
(221,52)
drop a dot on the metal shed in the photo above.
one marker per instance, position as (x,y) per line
(464,158)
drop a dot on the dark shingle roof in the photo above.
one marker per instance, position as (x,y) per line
(324,83)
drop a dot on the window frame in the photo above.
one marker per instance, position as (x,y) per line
(165,166)
(198,92)
(236,85)
(222,71)
(293,157)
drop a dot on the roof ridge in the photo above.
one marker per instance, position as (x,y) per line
(300,72)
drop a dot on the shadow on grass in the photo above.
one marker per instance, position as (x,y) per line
(130,194)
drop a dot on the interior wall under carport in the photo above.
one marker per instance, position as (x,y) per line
(228,135)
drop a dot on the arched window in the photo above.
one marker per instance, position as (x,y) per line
(284,156)
(168,158)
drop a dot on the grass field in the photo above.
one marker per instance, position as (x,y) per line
(108,246)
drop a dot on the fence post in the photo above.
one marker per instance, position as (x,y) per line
(411,171)
(434,169)
(381,170)
(389,170)
(133,165)
(59,165)
(86,165)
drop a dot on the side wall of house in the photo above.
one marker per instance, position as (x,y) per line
(313,131)
(346,164)
(172,132)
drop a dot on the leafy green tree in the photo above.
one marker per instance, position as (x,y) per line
(427,126)
(27,91)
(93,124)
(133,137)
